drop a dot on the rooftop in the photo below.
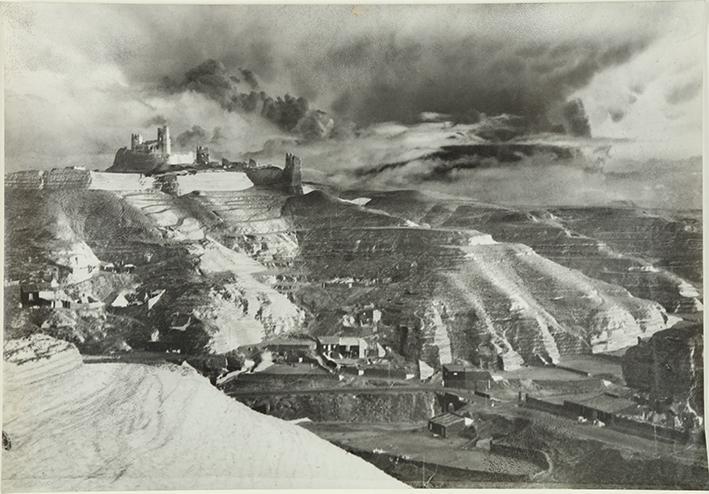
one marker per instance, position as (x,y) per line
(446,419)
(607,403)
(290,342)
(341,340)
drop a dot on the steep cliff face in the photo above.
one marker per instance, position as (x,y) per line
(670,366)
(130,426)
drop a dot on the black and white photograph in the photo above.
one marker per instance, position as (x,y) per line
(362,246)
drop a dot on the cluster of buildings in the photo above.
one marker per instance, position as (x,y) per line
(50,295)
(334,347)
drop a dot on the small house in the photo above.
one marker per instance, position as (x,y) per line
(291,349)
(109,267)
(43,295)
(465,377)
(604,407)
(446,425)
(153,297)
(339,347)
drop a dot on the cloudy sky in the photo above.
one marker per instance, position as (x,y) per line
(79,78)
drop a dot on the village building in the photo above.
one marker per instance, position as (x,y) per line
(344,347)
(120,301)
(603,407)
(425,370)
(446,424)
(86,301)
(291,349)
(465,377)
(154,297)
(44,295)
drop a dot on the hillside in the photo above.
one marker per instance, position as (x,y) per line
(131,426)
(652,254)
(452,278)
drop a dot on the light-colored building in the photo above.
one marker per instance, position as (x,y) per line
(344,346)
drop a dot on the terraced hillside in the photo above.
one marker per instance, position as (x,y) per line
(445,292)
(452,279)
(171,254)
(653,255)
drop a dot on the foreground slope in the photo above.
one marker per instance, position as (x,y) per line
(77,426)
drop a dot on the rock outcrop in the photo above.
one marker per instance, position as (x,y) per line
(136,162)
(670,366)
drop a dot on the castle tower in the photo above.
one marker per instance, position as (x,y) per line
(135,141)
(292,175)
(202,156)
(164,140)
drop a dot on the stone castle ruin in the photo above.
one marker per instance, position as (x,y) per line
(150,156)
(160,147)
(152,164)
(292,175)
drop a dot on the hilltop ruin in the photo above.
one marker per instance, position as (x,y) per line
(153,165)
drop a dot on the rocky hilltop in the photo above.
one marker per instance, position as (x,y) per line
(130,426)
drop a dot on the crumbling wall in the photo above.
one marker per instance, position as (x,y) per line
(29,179)
(265,175)
(120,181)
(67,178)
(289,178)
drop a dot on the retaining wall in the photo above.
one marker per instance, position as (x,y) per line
(546,406)
(531,455)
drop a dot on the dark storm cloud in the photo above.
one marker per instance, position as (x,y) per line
(368,72)
(292,114)
(249,78)
(398,79)
(192,137)
(115,67)
(575,118)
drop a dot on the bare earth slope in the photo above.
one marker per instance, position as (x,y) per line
(77,426)
(443,292)
(652,254)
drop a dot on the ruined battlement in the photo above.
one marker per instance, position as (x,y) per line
(289,177)
(292,174)
(161,146)
(146,156)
